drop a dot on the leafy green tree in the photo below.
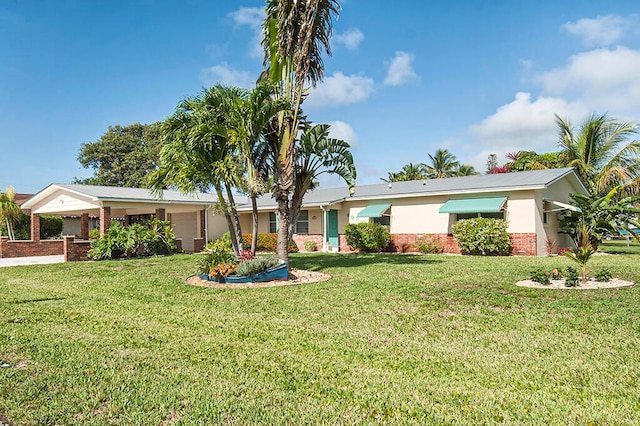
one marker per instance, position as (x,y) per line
(442,165)
(295,35)
(318,154)
(9,210)
(408,172)
(199,155)
(598,215)
(602,153)
(464,170)
(123,156)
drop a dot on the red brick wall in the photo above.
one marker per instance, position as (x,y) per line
(24,248)
(75,251)
(522,244)
(198,244)
(301,238)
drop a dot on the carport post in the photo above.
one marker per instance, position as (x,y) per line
(161,214)
(105,220)
(84,226)
(35,227)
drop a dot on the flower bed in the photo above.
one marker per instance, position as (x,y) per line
(279,272)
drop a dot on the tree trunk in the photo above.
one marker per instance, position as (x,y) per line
(283,226)
(236,218)
(254,233)
(227,216)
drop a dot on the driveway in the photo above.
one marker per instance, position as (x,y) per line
(31,260)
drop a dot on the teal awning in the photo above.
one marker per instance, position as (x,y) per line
(374,210)
(474,205)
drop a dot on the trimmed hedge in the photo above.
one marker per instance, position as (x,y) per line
(367,236)
(482,236)
(266,242)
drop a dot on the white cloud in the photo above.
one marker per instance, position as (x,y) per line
(522,124)
(223,74)
(253,17)
(340,89)
(600,31)
(342,130)
(603,79)
(350,39)
(400,70)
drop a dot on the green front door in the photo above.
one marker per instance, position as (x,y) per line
(332,228)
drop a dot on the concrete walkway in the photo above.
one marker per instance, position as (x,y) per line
(31,260)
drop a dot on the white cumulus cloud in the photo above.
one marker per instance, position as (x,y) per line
(342,130)
(400,69)
(603,79)
(600,31)
(225,75)
(340,89)
(351,39)
(523,124)
(253,17)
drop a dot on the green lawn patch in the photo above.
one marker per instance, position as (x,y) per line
(390,339)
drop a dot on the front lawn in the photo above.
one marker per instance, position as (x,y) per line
(390,339)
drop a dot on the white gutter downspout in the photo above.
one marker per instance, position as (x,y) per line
(324,229)
(206,225)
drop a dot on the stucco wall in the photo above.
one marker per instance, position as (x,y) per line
(186,228)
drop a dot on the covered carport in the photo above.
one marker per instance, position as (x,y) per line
(186,212)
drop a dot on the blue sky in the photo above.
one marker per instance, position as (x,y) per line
(405,78)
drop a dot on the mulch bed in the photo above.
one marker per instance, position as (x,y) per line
(296,277)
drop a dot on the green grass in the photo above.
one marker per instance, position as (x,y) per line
(621,246)
(390,339)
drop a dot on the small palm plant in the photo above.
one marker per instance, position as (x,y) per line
(583,252)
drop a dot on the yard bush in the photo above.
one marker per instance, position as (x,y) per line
(483,236)
(310,246)
(255,266)
(134,241)
(368,237)
(429,245)
(266,242)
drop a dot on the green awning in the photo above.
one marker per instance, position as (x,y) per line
(474,205)
(374,210)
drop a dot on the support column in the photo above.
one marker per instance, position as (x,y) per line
(105,220)
(127,220)
(161,214)
(203,231)
(35,227)
(84,226)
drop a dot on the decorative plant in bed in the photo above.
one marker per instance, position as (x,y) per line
(221,265)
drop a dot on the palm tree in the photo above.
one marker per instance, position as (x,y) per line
(250,119)
(464,170)
(408,172)
(198,155)
(9,210)
(296,32)
(443,164)
(602,154)
(318,154)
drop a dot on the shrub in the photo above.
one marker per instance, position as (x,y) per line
(266,242)
(223,270)
(429,245)
(310,246)
(133,241)
(572,279)
(94,234)
(255,266)
(367,236)
(541,276)
(483,236)
(219,253)
(603,275)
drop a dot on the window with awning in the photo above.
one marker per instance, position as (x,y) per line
(374,210)
(474,205)
(562,206)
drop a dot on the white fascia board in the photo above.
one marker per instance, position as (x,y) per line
(433,193)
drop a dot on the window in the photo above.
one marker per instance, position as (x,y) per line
(383,220)
(139,218)
(498,215)
(273,222)
(302,225)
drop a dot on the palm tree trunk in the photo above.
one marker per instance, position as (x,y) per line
(254,227)
(283,226)
(235,217)
(227,216)
(9,230)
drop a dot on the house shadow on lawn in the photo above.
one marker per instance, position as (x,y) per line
(321,261)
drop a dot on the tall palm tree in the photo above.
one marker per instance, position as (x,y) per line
(409,171)
(464,170)
(443,164)
(198,155)
(296,32)
(9,210)
(602,153)
(249,120)
(318,154)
